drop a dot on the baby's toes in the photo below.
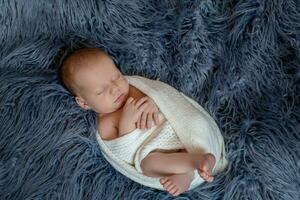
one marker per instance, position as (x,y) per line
(173,191)
(204,175)
(171,186)
(163,180)
(167,184)
(210,179)
(178,192)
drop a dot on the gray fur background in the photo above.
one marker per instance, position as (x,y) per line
(239,59)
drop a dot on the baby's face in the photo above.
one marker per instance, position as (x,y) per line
(102,86)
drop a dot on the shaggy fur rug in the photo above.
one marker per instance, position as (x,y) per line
(239,59)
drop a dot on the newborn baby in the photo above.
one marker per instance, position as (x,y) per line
(96,83)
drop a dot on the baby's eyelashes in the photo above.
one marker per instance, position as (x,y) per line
(99,93)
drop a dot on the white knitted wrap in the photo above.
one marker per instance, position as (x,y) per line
(196,129)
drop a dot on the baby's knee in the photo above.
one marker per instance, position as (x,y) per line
(146,167)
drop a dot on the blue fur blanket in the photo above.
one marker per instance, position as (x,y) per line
(239,59)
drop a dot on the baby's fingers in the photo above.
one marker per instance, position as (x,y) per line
(156,118)
(149,119)
(129,100)
(141,101)
(143,107)
(143,120)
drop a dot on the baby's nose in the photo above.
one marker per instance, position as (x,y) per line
(114,89)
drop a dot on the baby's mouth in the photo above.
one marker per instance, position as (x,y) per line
(120,98)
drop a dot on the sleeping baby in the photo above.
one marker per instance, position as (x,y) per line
(93,79)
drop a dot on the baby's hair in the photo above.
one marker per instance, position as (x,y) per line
(69,62)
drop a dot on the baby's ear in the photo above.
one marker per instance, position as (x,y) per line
(82,103)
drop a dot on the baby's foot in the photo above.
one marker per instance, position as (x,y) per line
(206,166)
(177,183)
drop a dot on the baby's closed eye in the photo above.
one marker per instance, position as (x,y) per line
(99,93)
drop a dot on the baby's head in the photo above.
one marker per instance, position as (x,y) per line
(94,80)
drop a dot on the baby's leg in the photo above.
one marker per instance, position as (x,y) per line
(177,169)
(157,164)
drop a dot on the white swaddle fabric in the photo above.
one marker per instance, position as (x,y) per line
(136,145)
(195,129)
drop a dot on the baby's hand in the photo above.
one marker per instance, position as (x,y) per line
(149,114)
(130,115)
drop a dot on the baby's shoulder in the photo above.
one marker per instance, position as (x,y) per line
(107,127)
(107,119)
(111,118)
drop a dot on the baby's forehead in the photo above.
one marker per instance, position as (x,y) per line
(80,58)
(96,69)
(78,61)
(89,62)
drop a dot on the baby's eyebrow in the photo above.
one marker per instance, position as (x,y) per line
(100,89)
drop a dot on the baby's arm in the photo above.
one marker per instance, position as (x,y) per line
(107,129)
(131,113)
(125,127)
